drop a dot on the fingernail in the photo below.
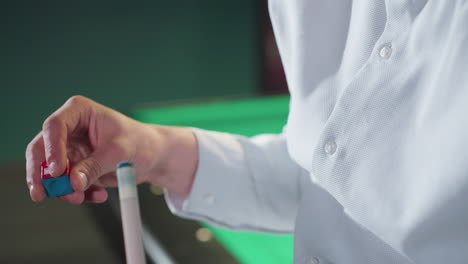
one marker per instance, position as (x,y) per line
(31,190)
(53,168)
(83,180)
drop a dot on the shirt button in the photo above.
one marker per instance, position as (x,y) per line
(330,147)
(313,261)
(385,52)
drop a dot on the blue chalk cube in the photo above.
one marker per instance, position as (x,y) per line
(56,186)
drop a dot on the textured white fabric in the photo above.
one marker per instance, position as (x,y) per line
(373,164)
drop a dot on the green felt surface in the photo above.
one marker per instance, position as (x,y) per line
(247,117)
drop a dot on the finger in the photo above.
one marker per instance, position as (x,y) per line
(101,162)
(73,198)
(95,194)
(108,180)
(67,119)
(34,156)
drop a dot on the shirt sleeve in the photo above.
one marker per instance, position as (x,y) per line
(242,183)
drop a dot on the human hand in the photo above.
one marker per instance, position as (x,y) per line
(94,138)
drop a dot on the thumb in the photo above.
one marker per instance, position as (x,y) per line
(87,171)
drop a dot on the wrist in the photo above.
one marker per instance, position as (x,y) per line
(177,159)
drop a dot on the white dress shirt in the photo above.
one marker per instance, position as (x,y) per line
(373,164)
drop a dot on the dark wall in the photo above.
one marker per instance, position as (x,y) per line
(120,55)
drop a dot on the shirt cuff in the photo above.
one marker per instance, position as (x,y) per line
(217,190)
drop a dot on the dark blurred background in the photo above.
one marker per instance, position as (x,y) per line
(120,55)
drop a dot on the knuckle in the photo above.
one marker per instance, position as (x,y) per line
(29,152)
(30,148)
(51,122)
(93,167)
(76,100)
(50,152)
